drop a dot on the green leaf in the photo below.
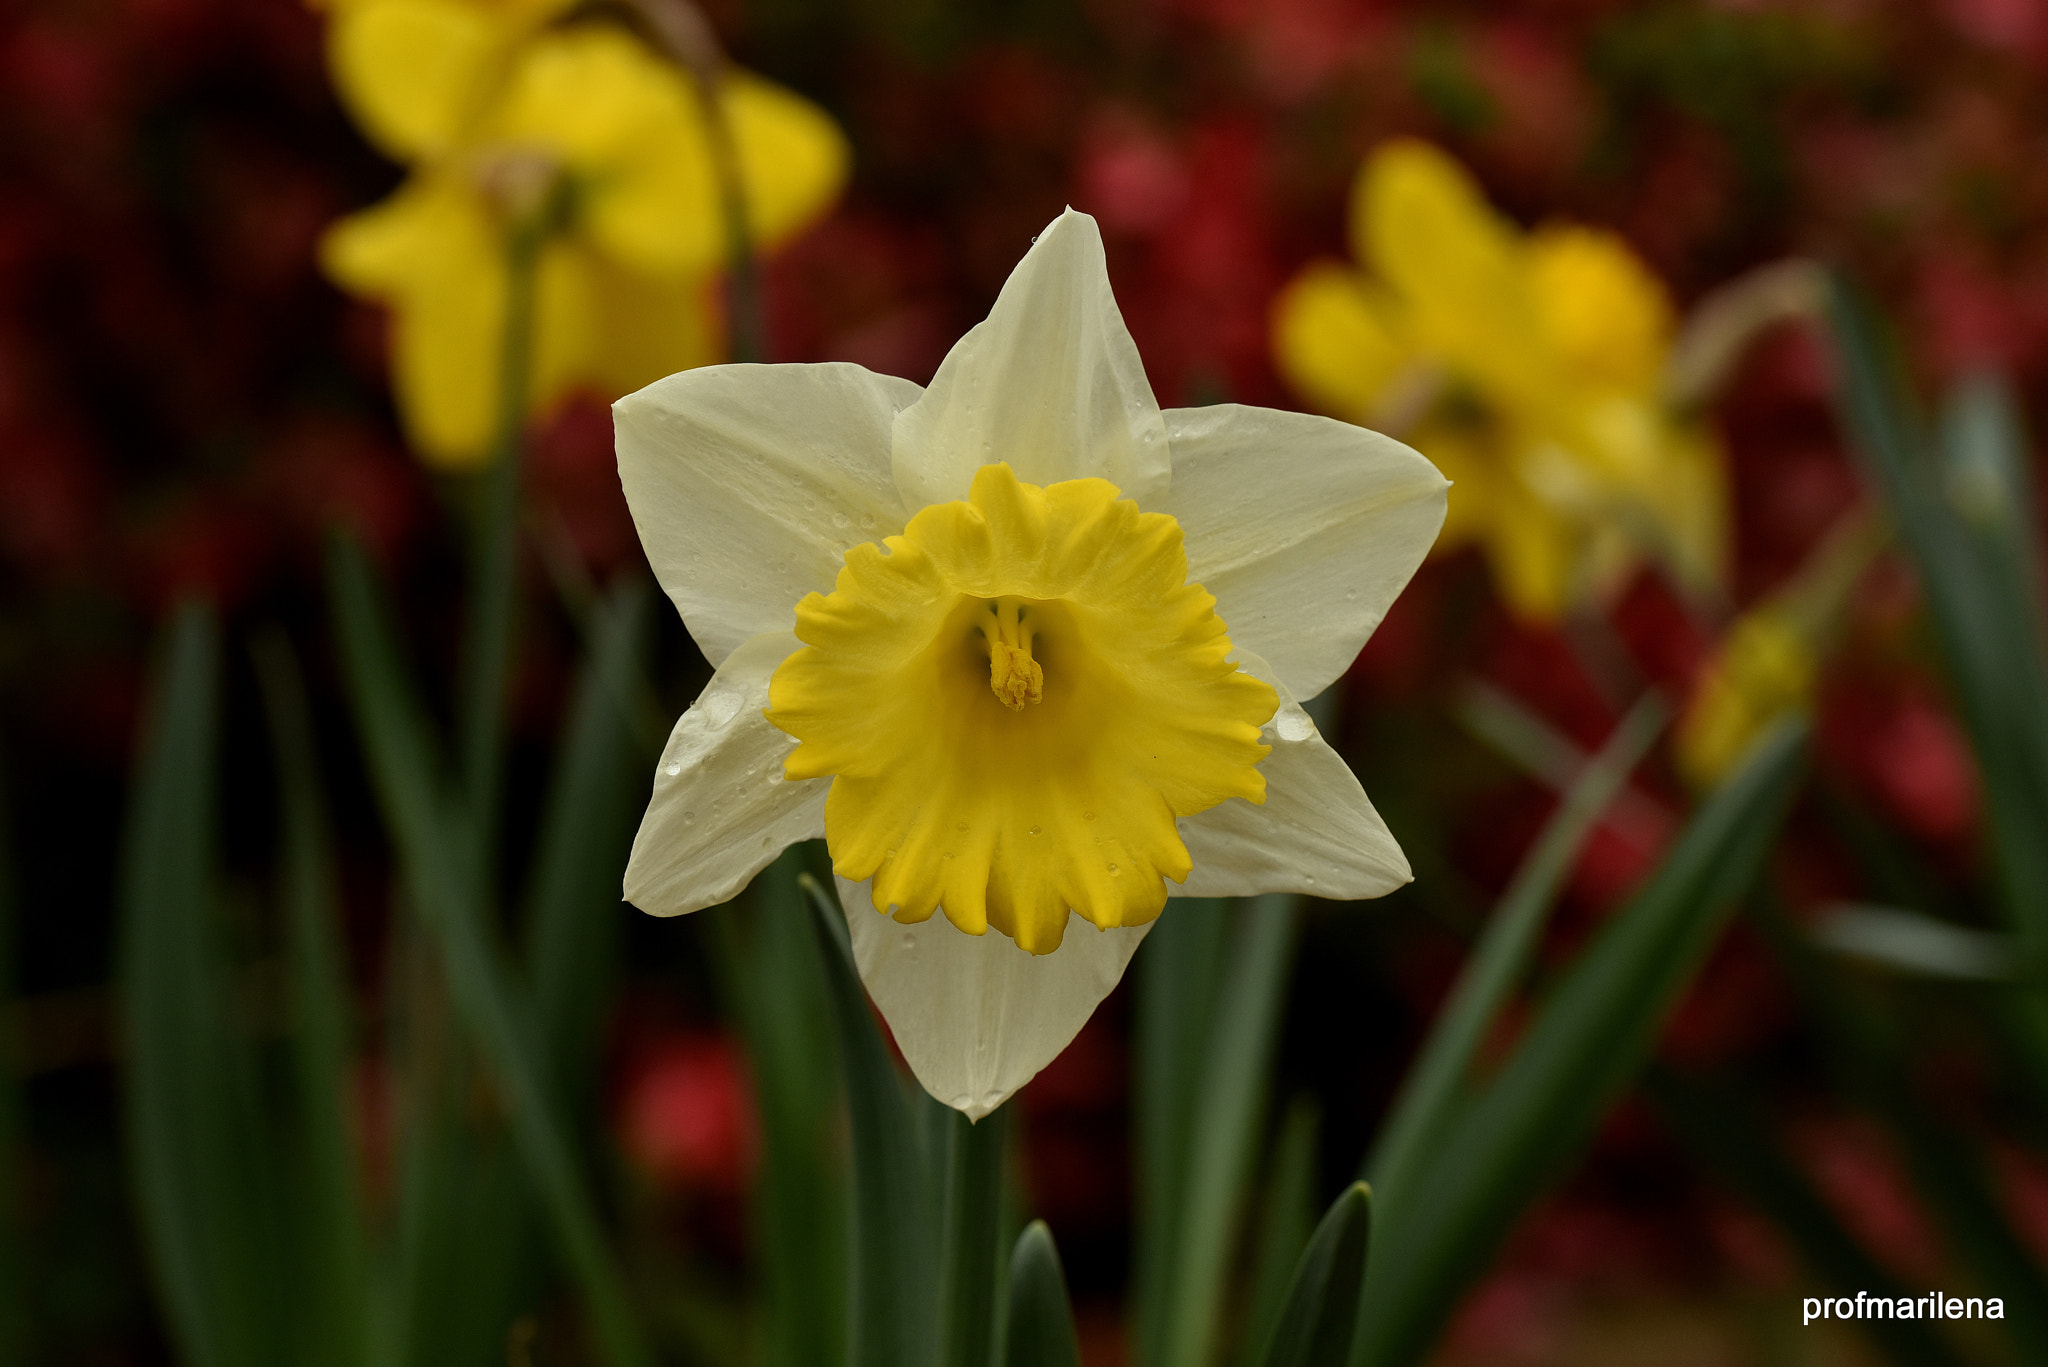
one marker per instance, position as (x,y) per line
(332,1319)
(1316,1324)
(1733,1138)
(895,1250)
(773,983)
(1040,1332)
(1288,1218)
(452,904)
(970,1249)
(1960,507)
(599,789)
(1423,1108)
(197,1139)
(1912,943)
(1223,1101)
(1582,1047)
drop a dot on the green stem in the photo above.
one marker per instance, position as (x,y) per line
(487,647)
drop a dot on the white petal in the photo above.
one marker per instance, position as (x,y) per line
(721,809)
(749,482)
(1050,382)
(1305,529)
(975,1016)
(1316,832)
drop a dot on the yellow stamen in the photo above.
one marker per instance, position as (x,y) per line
(1016,677)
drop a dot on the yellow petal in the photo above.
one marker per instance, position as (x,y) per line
(604,330)
(413,72)
(1335,341)
(793,158)
(649,327)
(1603,312)
(1420,222)
(1763,668)
(1017,700)
(1534,552)
(435,258)
(630,128)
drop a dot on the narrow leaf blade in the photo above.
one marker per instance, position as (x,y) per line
(1041,1327)
(1224,1120)
(1424,1106)
(1316,1325)
(196,1136)
(1584,1044)
(893,1224)
(332,1324)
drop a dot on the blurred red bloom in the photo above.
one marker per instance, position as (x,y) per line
(686,1118)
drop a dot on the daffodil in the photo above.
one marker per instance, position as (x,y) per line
(1529,366)
(1026,651)
(465,90)
(1768,661)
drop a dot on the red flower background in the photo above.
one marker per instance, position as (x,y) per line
(186,407)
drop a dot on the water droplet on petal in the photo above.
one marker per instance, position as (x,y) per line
(1113,870)
(720,707)
(1294,725)
(689,817)
(674,769)
(841,520)
(1034,830)
(959,825)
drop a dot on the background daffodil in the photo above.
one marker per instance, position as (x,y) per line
(460,90)
(1529,366)
(1022,647)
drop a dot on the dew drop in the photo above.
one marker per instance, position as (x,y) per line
(1294,725)
(1351,595)
(1113,870)
(1033,831)
(689,817)
(674,769)
(841,520)
(1087,816)
(720,707)
(908,942)
(959,825)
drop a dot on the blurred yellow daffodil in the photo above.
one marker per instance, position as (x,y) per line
(1768,661)
(1528,366)
(463,89)
(1024,648)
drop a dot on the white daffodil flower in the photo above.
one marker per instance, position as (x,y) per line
(1023,648)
